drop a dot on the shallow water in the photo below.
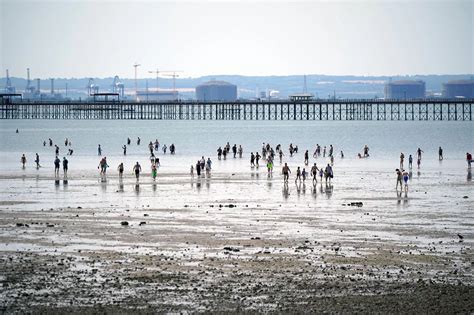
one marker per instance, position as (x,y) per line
(194,139)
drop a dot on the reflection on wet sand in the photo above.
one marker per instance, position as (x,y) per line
(329,190)
(286,191)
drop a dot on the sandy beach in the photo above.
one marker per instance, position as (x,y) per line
(237,242)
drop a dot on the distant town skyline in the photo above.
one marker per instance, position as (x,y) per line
(105,38)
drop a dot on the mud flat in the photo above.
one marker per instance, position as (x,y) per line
(237,242)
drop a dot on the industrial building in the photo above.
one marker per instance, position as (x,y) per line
(156,96)
(405,89)
(458,89)
(216,91)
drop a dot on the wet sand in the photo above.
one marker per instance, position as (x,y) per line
(238,242)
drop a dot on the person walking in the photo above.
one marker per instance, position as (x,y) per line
(328,173)
(203,163)
(419,151)
(304,174)
(314,172)
(257,158)
(198,168)
(154,172)
(269,166)
(208,167)
(440,154)
(399,178)
(65,166)
(137,169)
(402,157)
(23,160)
(286,173)
(37,160)
(120,170)
(298,174)
(57,164)
(405,180)
(103,166)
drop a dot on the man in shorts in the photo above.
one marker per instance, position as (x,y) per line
(314,172)
(137,169)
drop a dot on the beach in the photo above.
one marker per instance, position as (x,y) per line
(239,241)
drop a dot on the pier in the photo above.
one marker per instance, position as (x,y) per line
(429,109)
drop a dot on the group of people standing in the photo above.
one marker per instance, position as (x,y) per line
(202,166)
(302,175)
(153,147)
(268,154)
(222,153)
(418,160)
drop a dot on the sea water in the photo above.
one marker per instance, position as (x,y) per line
(193,139)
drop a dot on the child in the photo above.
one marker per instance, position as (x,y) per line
(192,171)
(303,174)
(298,174)
(405,180)
(120,170)
(321,173)
(270,166)
(153,172)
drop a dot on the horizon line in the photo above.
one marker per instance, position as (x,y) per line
(247,76)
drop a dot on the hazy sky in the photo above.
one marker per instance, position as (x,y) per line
(104,38)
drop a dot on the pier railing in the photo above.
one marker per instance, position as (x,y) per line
(435,109)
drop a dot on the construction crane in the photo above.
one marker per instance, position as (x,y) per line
(173,75)
(118,87)
(157,72)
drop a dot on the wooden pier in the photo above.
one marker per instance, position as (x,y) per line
(434,109)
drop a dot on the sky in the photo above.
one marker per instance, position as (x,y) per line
(88,38)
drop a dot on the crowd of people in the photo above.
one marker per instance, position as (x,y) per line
(267,154)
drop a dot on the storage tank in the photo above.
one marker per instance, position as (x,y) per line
(458,89)
(216,91)
(405,89)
